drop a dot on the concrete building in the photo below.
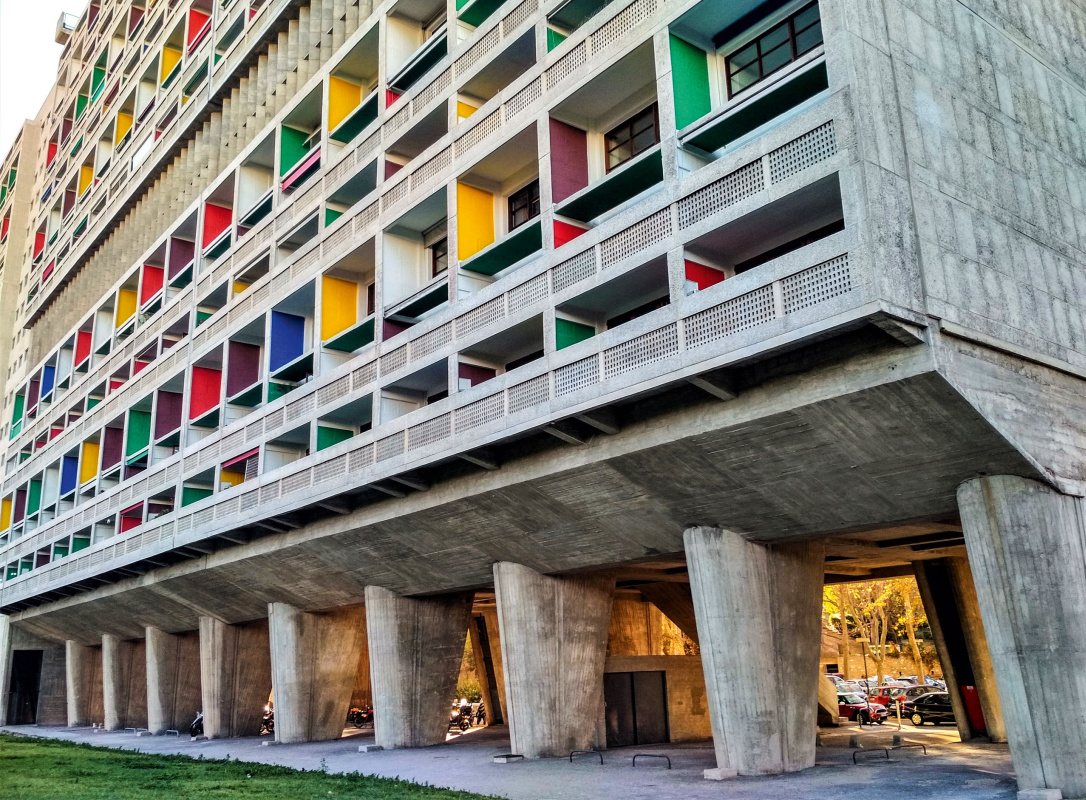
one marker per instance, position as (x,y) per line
(352,328)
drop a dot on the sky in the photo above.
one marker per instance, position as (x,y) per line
(28,59)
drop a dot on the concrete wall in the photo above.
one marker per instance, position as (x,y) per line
(687,709)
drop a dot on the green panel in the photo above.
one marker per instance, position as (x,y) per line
(690,79)
(357,121)
(257,212)
(202,317)
(17,412)
(193,494)
(521,243)
(769,106)
(60,550)
(33,498)
(568,333)
(331,215)
(98,77)
(427,302)
(326,437)
(76,146)
(292,149)
(139,431)
(80,543)
(478,11)
(92,402)
(353,338)
(81,105)
(554,38)
(616,188)
(277,390)
(573,14)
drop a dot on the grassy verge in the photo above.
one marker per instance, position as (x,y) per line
(44,769)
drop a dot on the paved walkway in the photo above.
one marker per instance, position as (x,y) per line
(950,771)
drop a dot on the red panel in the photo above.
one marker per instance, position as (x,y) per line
(52,153)
(475,374)
(206,383)
(569,160)
(152,282)
(973,710)
(4,228)
(216,220)
(128,523)
(39,243)
(138,366)
(82,346)
(391,97)
(564,232)
(702,275)
(197,26)
(391,168)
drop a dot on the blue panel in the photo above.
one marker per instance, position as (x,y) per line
(69,474)
(287,339)
(48,375)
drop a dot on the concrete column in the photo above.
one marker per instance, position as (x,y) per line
(235,677)
(173,680)
(52,691)
(631,632)
(124,683)
(416,648)
(1027,549)
(976,643)
(484,668)
(554,645)
(83,669)
(5,666)
(490,619)
(314,661)
(759,622)
(362,695)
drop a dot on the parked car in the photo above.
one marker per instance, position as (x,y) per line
(854,707)
(886,695)
(911,694)
(933,707)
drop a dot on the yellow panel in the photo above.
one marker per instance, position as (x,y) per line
(343,98)
(86,176)
(5,514)
(339,306)
(240,286)
(126,305)
(231,478)
(170,57)
(463,110)
(88,466)
(474,220)
(124,125)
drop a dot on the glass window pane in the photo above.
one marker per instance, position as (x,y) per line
(804,18)
(644,140)
(775,59)
(774,38)
(810,38)
(618,155)
(741,80)
(743,58)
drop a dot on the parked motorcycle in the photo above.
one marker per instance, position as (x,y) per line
(267,725)
(197,726)
(359,717)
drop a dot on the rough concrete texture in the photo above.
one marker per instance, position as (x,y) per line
(173,680)
(314,659)
(493,634)
(687,706)
(950,771)
(1027,548)
(124,683)
(235,676)
(674,600)
(635,628)
(554,643)
(416,648)
(759,613)
(83,669)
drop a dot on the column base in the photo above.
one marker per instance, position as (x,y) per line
(719,774)
(1040,794)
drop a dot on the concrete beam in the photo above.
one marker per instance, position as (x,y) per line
(719,383)
(1027,546)
(676,603)
(173,680)
(763,693)
(554,645)
(235,676)
(124,683)
(83,670)
(314,660)
(416,648)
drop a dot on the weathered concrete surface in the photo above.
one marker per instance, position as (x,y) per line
(173,680)
(759,615)
(314,662)
(1027,549)
(83,669)
(479,638)
(493,634)
(828,707)
(124,683)
(634,629)
(554,644)
(416,648)
(674,600)
(235,676)
(687,706)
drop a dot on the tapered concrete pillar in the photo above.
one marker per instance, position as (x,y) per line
(554,644)
(83,671)
(362,696)
(494,648)
(124,683)
(484,669)
(173,680)
(1027,549)
(235,677)
(759,623)
(314,661)
(416,648)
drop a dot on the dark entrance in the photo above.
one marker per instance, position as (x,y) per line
(636,708)
(25,686)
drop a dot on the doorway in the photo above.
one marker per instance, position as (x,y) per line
(636,708)
(25,687)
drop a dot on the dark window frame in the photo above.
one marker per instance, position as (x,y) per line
(629,129)
(439,253)
(525,199)
(759,58)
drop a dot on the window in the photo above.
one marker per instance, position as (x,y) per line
(632,137)
(523,205)
(774,49)
(439,252)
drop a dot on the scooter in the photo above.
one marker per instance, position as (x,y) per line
(360,717)
(197,726)
(267,725)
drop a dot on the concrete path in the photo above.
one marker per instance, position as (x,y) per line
(950,771)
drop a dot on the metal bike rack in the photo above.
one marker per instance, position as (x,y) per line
(651,755)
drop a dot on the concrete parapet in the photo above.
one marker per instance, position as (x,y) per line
(235,676)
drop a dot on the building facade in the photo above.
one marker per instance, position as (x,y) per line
(342,328)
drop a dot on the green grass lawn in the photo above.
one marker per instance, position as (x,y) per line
(43,769)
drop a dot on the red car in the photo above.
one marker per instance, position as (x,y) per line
(855,707)
(886,695)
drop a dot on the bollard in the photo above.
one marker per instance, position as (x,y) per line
(854,741)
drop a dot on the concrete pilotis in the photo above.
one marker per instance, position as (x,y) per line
(173,680)
(124,683)
(314,661)
(83,670)
(493,635)
(235,677)
(416,648)
(554,645)
(1027,549)
(758,614)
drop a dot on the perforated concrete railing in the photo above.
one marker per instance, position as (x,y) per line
(380,454)
(714,198)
